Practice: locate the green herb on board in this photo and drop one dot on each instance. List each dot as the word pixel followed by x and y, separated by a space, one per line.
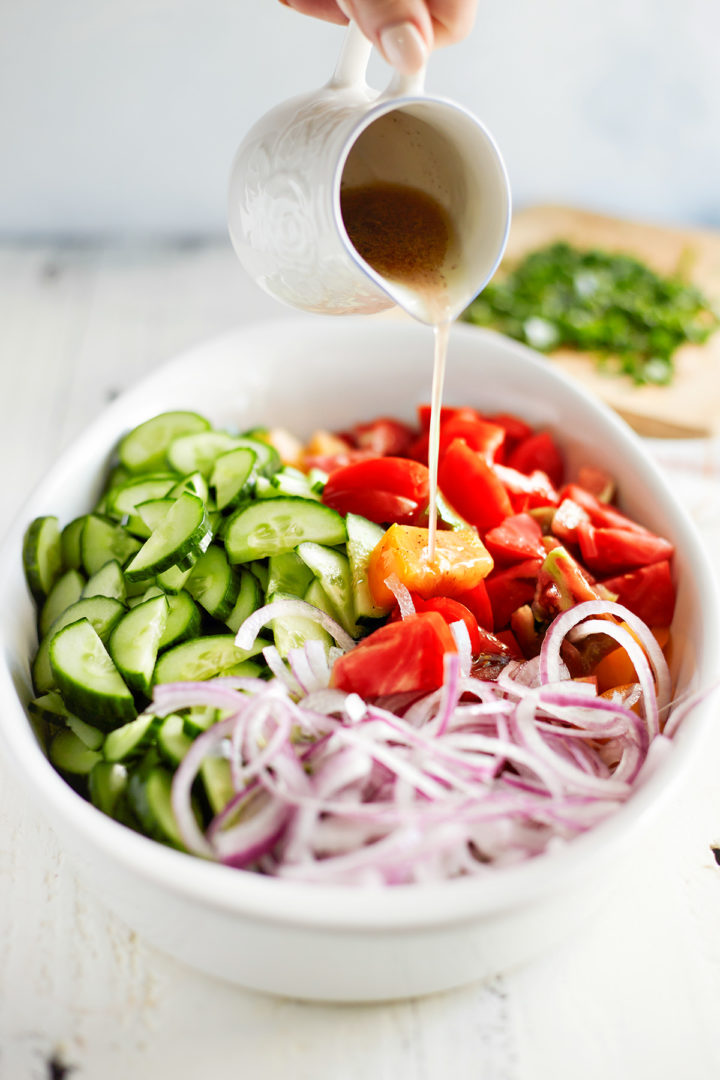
pixel 594 301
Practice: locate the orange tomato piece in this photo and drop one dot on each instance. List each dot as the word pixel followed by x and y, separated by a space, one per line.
pixel 617 669
pixel 461 562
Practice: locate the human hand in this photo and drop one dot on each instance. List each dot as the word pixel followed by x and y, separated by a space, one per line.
pixel 403 30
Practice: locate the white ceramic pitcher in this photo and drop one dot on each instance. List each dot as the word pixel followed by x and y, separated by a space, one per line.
pixel 284 203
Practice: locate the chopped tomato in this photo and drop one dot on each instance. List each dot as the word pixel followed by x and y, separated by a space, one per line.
pixel 480 435
pixel 510 588
pixel 382 489
pixel 446 412
pixel 452 611
pixel 515 429
pixel 648 592
pixel 492 645
pixel 598 482
pixel 399 657
pixel 517 537
pixel 616 668
pixel 461 561
pixel 562 583
pixel 386 436
pixel 472 487
pixel 328 463
pixel 478 602
pixel 601 515
pixel 507 638
pixel 527 492
pixel 538 451
pixel 605 550
pixel 566 519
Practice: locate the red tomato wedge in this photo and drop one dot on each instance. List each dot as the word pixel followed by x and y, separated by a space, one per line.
pixel 385 436
pixel 527 492
pixel 518 537
pixel 515 429
pixel 446 413
pixel 478 602
pixel 452 611
pixel 648 592
pixel 606 550
pixel 510 588
pixel 538 451
pixel 383 489
pixel 601 514
pixel 399 657
pixel 472 487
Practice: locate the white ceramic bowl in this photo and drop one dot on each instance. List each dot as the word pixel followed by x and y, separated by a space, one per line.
pixel 332 942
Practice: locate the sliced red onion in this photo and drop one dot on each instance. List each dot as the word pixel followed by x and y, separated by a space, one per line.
pixel 284 609
pixel 462 640
pixel 401 594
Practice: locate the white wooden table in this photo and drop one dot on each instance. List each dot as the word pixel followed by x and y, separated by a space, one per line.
pixel 636 998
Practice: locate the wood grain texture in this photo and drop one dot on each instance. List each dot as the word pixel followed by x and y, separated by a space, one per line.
pixel 635 997
pixel 690 406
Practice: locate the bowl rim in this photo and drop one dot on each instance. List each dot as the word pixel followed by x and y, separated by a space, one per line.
pixel 245 894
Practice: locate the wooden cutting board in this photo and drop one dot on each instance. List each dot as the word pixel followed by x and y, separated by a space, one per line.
pixel 690 405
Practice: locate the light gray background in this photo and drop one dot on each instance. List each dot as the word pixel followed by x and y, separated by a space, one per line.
pixel 122 117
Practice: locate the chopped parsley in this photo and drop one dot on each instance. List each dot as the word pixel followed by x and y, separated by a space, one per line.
pixel 611 305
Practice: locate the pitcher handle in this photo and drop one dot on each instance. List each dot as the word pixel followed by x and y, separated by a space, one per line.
pixel 353 60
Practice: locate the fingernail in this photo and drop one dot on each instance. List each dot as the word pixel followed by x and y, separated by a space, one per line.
pixel 404 47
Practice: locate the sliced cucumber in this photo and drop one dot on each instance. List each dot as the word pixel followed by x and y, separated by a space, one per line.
pixel 123 502
pixel 199 718
pixel 286 481
pixel 198 452
pixel 70 754
pixel 202 658
pixel 135 642
pixel 49 707
pixel 88 680
pixel 288 574
pixel 363 537
pixel 246 669
pixel 173 580
pixel 317 596
pixel 103 613
pixel 291 632
pixel 66 591
pixel 144 448
pixel 183 533
pixel 129 742
pixel 268 460
pixel 70 539
pixel 104 541
pixel 214 583
pixel 107 784
pixel 154 511
pixel 274 526
pixel 195 483
pixel 91 736
pixel 183 620
pixel 230 475
pixel 149 794
pixel 108 581
pixel 261 571
pixel 172 741
pixel 42 555
pixel 332 569
pixel 217 782
pixel 249 599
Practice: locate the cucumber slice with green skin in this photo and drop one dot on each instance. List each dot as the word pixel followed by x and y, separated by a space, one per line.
pixel 102 612
pixel 202 658
pixel 173 580
pixel 249 599
pixel 154 511
pixel 183 621
pixel 195 483
pixel 198 452
pixel 317 478
pixel 292 632
pixel 88 680
pixel 66 591
pixel 70 541
pixel 129 742
pixel 105 541
pixel 91 736
pixel 172 742
pixel 288 574
pixel 144 448
pixel 214 583
pixel 261 572
pixel 135 642
pixel 42 556
pixel 246 669
pixel 230 475
pixel 217 783
pixel 267 459
pixel 108 581
pixel 107 783
pixel 70 754
pixel 184 532
pixel 274 526
pixel 199 718
pixel 286 481
pixel 332 569
pixel 122 502
pixel 49 707
pixel 149 795
pixel 119 475
pixel 317 596
pixel 363 537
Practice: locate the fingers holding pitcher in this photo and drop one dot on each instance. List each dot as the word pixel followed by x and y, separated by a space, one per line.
pixel 403 30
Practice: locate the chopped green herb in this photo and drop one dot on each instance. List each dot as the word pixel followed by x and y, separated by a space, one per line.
pixel 594 301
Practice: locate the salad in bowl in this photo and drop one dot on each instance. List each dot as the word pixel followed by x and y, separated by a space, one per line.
pixel 288 714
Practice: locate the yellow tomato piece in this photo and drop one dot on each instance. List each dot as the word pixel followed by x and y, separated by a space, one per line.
pixel 324 444
pixel 617 669
pixel 287 445
pixel 461 562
